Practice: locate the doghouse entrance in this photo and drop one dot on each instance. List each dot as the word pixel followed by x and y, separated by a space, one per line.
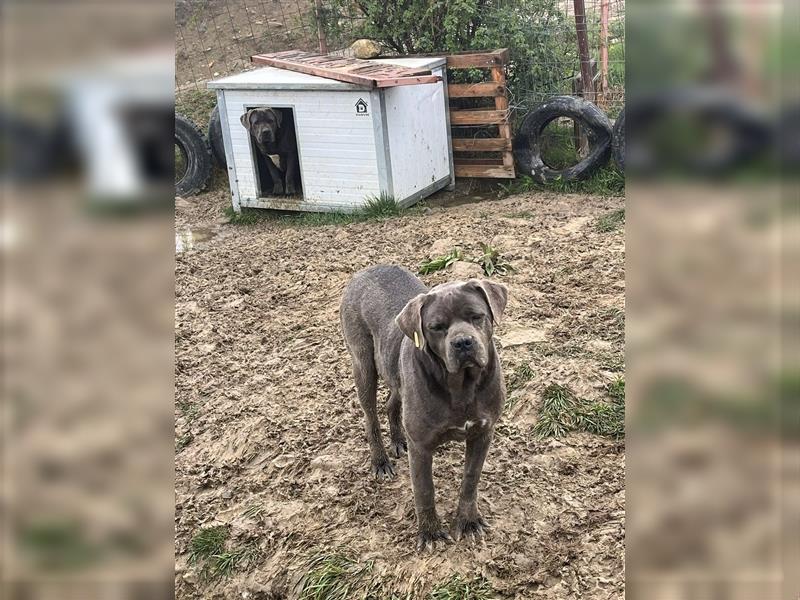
pixel 276 162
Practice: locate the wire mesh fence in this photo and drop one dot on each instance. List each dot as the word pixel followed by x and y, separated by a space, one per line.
pixel 217 37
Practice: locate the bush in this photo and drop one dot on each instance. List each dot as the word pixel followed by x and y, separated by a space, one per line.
pixel 539 36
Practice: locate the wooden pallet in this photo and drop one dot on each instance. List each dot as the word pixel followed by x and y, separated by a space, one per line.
pixel 503 168
pixel 350 70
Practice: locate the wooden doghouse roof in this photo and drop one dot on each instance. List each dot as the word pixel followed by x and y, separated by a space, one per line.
pixel 366 73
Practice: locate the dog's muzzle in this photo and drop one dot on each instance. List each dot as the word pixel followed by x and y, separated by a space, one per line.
pixel 467 350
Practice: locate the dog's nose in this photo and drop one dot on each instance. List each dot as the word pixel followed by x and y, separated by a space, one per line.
pixel 463 344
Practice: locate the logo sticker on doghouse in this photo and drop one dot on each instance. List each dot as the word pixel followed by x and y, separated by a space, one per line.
pixel 361 107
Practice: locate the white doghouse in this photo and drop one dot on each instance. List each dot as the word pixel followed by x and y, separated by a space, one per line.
pixel 354 142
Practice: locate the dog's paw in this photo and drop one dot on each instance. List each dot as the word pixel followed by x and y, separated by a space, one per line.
pixel 428 541
pixel 471 529
pixel 277 189
pixel 291 189
pixel 383 469
pixel 399 448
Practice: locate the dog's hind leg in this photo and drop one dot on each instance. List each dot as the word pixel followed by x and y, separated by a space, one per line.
pixel 366 376
pixel 395 407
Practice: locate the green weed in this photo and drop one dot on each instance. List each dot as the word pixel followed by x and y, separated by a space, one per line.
pixel 563 412
pixel 492 262
pixel 207 550
pixel 606 181
pixel 458 588
pixel 334 576
pixel 206 543
pixel 441 262
pixel 381 207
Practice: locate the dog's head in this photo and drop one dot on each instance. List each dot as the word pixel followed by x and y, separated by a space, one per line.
pixel 263 124
pixel 455 321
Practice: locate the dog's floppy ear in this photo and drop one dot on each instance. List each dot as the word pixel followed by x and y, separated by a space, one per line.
pixel 495 294
pixel 278 115
pixel 245 119
pixel 410 320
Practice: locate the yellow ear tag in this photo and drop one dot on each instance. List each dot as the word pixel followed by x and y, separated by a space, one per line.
pixel 416 339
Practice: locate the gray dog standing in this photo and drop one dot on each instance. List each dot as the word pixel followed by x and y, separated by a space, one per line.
pixel 273 131
pixel 434 349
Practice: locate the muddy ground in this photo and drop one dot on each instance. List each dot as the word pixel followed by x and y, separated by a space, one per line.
pixel 270 434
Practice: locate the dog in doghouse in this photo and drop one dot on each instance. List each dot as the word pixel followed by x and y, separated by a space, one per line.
pixel 272 130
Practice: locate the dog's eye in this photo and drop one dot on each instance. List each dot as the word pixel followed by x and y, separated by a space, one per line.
pixel 476 318
pixel 437 327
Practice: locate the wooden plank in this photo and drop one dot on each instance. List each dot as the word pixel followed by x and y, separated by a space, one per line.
pixel 484 160
pixel 384 83
pixel 481 144
pixel 308 69
pixel 475 90
pixel 501 103
pixel 478 117
pixel 350 70
pixel 477 59
pixel 487 171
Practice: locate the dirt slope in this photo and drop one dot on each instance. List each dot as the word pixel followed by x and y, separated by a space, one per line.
pixel 267 418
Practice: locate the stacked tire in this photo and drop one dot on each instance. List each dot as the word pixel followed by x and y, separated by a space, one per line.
pixel 528 143
pixel 194 150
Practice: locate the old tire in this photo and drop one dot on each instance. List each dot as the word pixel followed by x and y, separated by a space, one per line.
pixel 192 146
pixel 618 141
pixel 527 143
pixel 216 140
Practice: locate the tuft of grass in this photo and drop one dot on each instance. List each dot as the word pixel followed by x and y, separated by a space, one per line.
pixel 459 588
pixel 563 412
pixel 225 563
pixel 606 181
pixel 616 390
pixel 611 221
pixel 333 576
pixel 206 543
pixel 440 262
pixel 207 550
pixel 492 262
pixel 381 207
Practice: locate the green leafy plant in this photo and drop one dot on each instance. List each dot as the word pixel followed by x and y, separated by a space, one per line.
pixel 492 262
pixel 440 262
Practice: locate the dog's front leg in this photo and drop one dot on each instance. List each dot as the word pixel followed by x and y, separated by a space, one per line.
pixel 469 521
pixel 428 523
pixel 277 177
